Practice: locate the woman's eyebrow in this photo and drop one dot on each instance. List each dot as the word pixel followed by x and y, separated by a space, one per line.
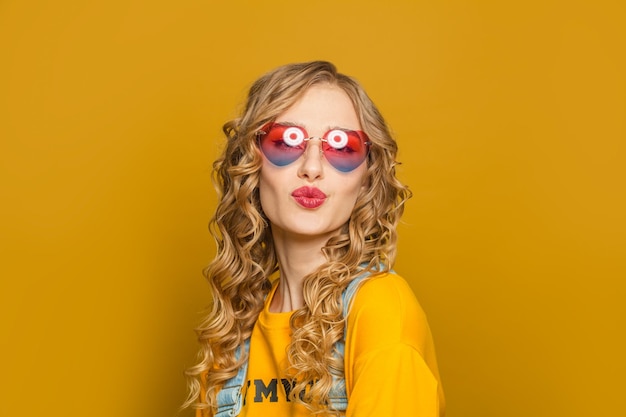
pixel 290 124
pixel 341 128
pixel 328 129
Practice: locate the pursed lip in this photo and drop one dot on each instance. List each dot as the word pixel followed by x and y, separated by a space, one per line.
pixel 309 197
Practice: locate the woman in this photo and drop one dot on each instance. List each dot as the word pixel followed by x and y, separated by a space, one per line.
pixel 307 216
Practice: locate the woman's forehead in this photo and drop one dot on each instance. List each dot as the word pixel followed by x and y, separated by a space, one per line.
pixel 322 106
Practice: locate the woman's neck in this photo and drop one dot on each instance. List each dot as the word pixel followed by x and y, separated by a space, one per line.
pixel 297 258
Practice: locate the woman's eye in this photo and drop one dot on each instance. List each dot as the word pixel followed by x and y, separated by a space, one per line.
pixel 337 139
pixel 293 136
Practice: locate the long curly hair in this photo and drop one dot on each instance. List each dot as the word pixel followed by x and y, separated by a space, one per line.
pixel 239 276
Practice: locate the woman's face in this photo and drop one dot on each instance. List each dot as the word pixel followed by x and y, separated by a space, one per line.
pixel 309 197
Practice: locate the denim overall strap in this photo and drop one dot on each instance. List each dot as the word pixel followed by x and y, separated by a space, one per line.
pixel 230 397
pixel 338 395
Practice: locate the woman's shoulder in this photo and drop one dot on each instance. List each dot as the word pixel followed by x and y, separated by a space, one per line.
pixel 386 306
pixel 389 343
pixel 386 291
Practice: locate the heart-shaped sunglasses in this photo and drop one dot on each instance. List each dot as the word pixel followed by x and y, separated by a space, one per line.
pixel 283 144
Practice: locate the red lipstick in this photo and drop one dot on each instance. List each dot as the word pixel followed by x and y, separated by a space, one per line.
pixel 309 197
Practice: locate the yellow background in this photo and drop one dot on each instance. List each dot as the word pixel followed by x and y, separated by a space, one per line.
pixel 511 118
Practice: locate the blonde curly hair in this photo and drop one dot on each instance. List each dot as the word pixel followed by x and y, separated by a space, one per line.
pixel 239 276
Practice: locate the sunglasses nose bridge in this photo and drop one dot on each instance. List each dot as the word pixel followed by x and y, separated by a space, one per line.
pixel 317 139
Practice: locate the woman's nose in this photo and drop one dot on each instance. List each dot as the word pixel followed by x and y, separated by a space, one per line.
pixel 311 166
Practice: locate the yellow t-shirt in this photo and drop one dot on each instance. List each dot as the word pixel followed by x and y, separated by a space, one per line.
pixel 390 364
